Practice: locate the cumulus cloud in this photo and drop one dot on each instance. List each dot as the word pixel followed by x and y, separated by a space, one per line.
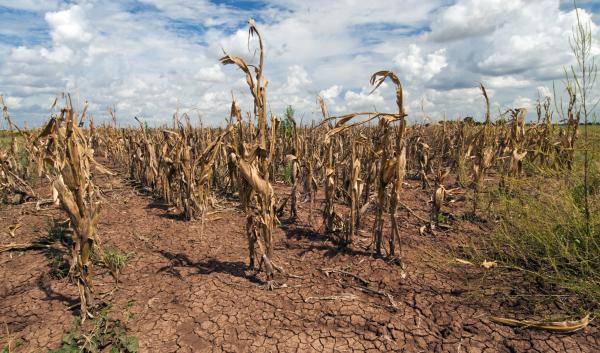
pixel 69 25
pixel 372 101
pixel 13 102
pixel 542 48
pixel 470 18
pixel 297 79
pixel 523 102
pixel 544 92
pixel 505 82
pixel 418 67
pixel 212 73
pixel 466 101
pixel 151 57
pixel 197 11
pixel 331 93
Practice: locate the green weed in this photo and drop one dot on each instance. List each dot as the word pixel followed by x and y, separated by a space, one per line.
pixel 104 334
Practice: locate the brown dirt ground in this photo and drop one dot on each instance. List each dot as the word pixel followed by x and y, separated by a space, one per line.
pixel 192 293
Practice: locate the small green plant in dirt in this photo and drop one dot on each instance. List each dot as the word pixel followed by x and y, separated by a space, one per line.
pixel 286 173
pixel 57 259
pixel 443 218
pixel 11 347
pixel 12 344
pixel 115 261
pixel 59 266
pixel 59 232
pixel 103 334
pixel 473 217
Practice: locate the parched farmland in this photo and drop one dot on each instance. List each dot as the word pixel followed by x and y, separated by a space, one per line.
pixel 352 232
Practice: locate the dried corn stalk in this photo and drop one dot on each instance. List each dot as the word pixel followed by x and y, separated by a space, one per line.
pixel 331 220
pixel 68 162
pixel 16 162
pixel 355 186
pixel 399 170
pixel 256 192
pixel 484 152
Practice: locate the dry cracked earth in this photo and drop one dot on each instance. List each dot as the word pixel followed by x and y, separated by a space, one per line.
pixel 190 291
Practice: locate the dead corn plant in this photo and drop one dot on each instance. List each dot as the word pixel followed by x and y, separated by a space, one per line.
pixel 423 154
pixel 399 164
pixel 253 164
pixel 68 166
pixel 332 221
pixel 568 135
pixel 483 152
pixel 391 170
pixel 516 146
pixel 17 162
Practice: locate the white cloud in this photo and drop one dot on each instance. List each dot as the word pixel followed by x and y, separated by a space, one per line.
pixel 13 102
pixel 468 101
pixel 371 101
pixel 331 93
pixel 297 79
pixel 202 11
pixel 68 25
pixel 523 102
pixel 535 42
pixel 505 82
pixel 544 92
pixel 468 18
pixel 212 73
pixel 151 59
pixel 419 67
pixel 24 55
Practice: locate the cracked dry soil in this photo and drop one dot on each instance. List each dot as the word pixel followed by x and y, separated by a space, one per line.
pixel 191 292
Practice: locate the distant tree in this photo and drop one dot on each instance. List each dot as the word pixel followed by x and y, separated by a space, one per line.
pixel 469 120
pixel 501 121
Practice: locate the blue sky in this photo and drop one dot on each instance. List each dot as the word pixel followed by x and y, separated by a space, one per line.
pixel 150 58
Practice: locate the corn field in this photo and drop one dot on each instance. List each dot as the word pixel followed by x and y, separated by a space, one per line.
pixel 359 159
pixel 358 164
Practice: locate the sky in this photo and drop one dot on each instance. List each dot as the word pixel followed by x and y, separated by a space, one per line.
pixel 151 58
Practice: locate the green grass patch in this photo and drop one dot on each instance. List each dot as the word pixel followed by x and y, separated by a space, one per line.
pixel 543 232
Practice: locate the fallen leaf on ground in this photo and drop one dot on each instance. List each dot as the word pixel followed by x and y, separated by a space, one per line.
pixel 13 228
pixel 464 262
pixel 553 326
pixel 489 264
